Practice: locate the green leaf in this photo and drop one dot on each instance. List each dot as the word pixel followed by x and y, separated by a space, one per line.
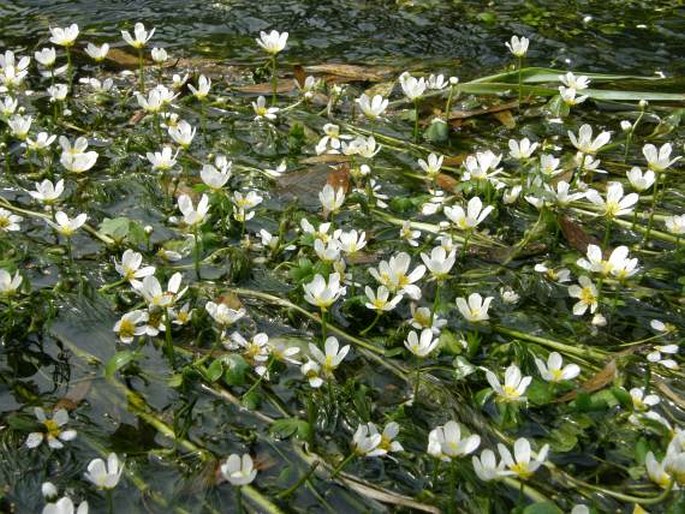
pixel 289 427
pixel 118 361
pixel 543 508
pixel 236 370
pixel 214 371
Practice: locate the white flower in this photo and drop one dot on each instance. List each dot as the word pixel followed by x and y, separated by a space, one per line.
pixel 42 142
pixel 656 471
pixel 412 87
pixel 163 160
pixel 432 166
pixel 394 274
pixel 203 86
pixel 511 195
pixel 524 462
pixel 514 387
pixel 65 506
pixel 239 470
pixel 374 107
pixel 151 290
pixel 140 36
pixel 331 140
pixel 159 56
pixel 331 199
pixel 584 142
pixel 675 224
pixel 130 269
pixel 312 370
pixel 509 296
pixel 409 235
pixel 390 432
pixel 192 216
pixel 562 195
pixel 445 442
pixel 262 111
pixel 323 294
pixel 46 56
pixel 617 264
pixel 366 442
pixel 439 262
pixel 65 225
pixel 9 222
pixel 640 182
pixel 549 165
pixel 215 179
pixel 616 204
pixel 552 371
pixel 522 149
pixel 437 82
pixel 561 275
pixel 487 468
pixel 587 295
pixel 421 319
pixel 379 301
pixel 130 325
pixel 223 314
pixel 20 125
pixel 74 157
pixel 47 192
pixel 483 166
pixel 518 46
pixel 64 36
pixel 350 242
pixel 97 53
pixel 272 42
pixel 569 96
pixel 332 357
pixel 183 134
pixel 642 402
pixel 105 475
pixel 9 284
pixel 476 309
pixel 58 92
pixel 474 215
pixel 659 160
pixel 421 345
pixel 54 434
pixel 327 252
pixel 576 82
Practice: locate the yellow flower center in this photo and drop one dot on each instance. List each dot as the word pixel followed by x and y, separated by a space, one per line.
pixel 587 296
pixel 53 427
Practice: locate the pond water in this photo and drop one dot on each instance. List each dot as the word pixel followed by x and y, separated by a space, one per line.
pixel 177 411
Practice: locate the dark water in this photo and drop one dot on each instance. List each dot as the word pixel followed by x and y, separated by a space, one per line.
pixel 466 36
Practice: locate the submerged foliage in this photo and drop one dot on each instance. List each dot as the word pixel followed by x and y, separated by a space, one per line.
pixel 425 294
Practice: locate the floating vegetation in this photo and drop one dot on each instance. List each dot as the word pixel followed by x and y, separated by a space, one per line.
pixel 360 289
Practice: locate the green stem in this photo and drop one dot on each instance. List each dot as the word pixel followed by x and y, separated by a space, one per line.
pixel 373 323
pixel 141 71
pixel 436 301
pixel 416 120
pixel 417 382
pixel 323 325
pixel 274 79
pixel 239 500
pixel 655 200
pixel 198 247
pixel 607 234
pixel 340 466
pixel 169 344
pixel 520 67
pixel 110 502
pixel 290 490
pixel 70 68
pixel 448 106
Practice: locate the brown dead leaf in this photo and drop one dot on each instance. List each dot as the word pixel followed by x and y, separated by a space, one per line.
pixel 337 72
pixel 137 117
pixel 382 88
pixel 230 300
pixel 598 381
pixel 574 234
pixel 300 75
pixel 363 258
pixel 118 58
pixel 266 88
pixel 461 115
pixel 505 118
pixel 447 182
pixel 326 158
pixel 75 396
pixel 339 177
pixel 454 160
